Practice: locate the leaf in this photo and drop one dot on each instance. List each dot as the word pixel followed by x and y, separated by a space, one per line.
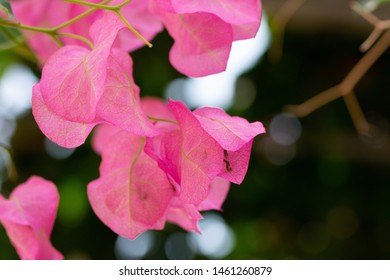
pixel 132 194
pixel 65 133
pixel 232 133
pixel 28 217
pixel 4 12
pixel 200 156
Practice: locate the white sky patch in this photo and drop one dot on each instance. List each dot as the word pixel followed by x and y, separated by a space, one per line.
pixel 15 90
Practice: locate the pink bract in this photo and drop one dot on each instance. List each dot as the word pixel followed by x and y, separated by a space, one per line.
pixel 132 193
pixel 81 88
pixel 52 13
pixel 28 217
pixel 205 30
pixel 200 156
pixel 244 16
pixel 146 181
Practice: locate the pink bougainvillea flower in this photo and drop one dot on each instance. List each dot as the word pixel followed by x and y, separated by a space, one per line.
pixel 49 13
pixel 212 143
pixel 200 156
pixel 219 189
pixel 81 88
pixel 234 135
pixel 205 30
pixel 244 16
pixel 28 218
pixel 132 193
pixel 186 168
pixel 52 13
pixel 141 19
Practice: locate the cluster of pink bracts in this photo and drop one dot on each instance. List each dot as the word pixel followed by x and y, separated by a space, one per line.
pixel 160 162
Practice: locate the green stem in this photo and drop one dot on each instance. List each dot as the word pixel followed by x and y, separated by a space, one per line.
pixel 16 40
pixel 77 18
pixel 101 5
pixel 161 120
pixel 146 42
pixel 94 5
pixel 122 4
pixel 78 37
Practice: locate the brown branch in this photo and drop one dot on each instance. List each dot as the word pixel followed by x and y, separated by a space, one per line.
pixel 357 115
pixel 345 89
pixel 379 25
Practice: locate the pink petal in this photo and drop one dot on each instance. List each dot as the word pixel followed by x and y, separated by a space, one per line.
pixel 31 245
pixel 231 133
pixel 201 156
pixel 235 164
pixel 28 217
pixel 132 194
pixel 140 17
pixel 184 215
pixel 65 133
pixel 102 135
pixel 218 191
pixel 245 15
pixel 72 79
pixel 157 108
pixel 165 150
pixel 45 13
pixel 202 40
pixel 202 43
pixel 120 103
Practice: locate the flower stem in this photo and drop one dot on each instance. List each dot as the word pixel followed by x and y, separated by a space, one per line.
pixel 135 32
pixel 78 37
pixel 79 17
pixel 94 5
pixel 161 120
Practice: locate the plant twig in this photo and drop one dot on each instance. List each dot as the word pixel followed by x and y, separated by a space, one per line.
pixel 379 25
pixel 346 86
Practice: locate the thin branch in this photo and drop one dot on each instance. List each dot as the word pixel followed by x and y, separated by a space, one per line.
pixel 345 89
pixel 379 25
pixel 347 85
pixel 357 115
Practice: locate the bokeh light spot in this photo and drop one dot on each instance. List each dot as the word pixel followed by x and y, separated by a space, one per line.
pixel 15 90
pixel 285 129
pixel 126 249
pixel 277 154
pixel 56 151
pixel 217 239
